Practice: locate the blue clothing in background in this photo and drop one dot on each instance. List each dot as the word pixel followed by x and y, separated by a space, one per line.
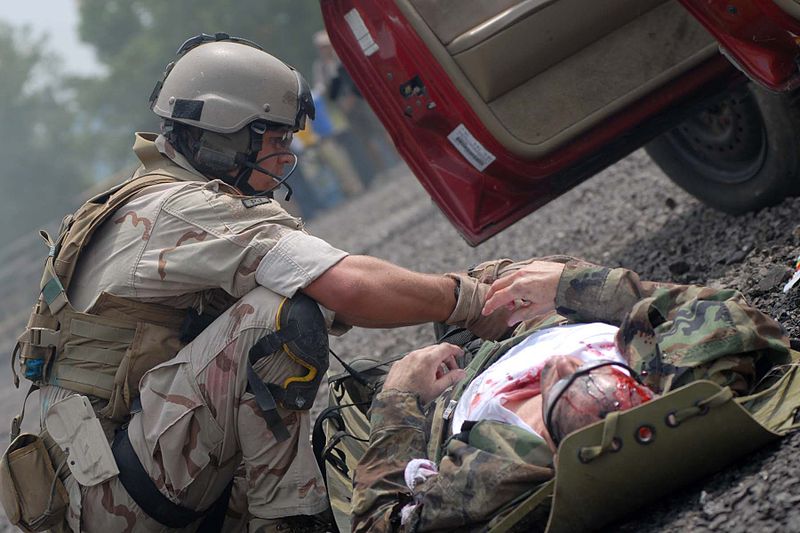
pixel 323 126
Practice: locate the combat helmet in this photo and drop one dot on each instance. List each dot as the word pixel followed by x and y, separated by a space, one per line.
pixel 233 92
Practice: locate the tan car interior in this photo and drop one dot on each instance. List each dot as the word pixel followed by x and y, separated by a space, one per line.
pixel 792 7
pixel 540 72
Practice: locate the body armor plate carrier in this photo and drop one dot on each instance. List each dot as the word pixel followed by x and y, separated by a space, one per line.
pixel 102 352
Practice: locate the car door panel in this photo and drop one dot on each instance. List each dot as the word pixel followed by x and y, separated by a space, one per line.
pixel 519 74
pixel 579 92
pixel 483 166
pixel 449 19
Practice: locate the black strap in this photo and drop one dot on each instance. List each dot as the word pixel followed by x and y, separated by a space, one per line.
pixel 356 375
pixel 266 346
pixel 581 371
pixel 215 516
pixel 269 344
pixel 323 447
pixel 266 404
pixel 144 492
pixel 318 439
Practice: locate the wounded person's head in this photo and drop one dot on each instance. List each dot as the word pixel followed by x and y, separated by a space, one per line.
pixel 576 394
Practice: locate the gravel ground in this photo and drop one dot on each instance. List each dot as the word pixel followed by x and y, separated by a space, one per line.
pixel 630 215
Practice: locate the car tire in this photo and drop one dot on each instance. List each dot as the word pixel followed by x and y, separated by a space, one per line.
pixel 740 154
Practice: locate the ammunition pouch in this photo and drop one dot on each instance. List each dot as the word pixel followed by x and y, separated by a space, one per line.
pixel 74 426
pixel 32 493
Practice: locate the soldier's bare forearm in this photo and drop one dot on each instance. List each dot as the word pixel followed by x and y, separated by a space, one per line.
pixel 369 292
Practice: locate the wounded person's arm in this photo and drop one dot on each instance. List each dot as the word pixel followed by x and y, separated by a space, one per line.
pixel 578 290
pixel 594 293
pixel 397 436
pixel 672 333
pixel 675 334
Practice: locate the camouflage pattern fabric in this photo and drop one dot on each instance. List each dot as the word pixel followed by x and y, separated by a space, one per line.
pixel 180 241
pixel 672 334
pixel 491 271
pixel 199 426
pixel 675 334
pixel 192 244
pixel 497 464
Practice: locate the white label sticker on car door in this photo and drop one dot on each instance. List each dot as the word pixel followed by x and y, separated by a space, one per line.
pixel 472 150
pixel 360 32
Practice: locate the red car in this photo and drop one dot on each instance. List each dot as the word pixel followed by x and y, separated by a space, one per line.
pixel 500 106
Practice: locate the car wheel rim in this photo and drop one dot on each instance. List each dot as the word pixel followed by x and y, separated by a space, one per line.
pixel 727 142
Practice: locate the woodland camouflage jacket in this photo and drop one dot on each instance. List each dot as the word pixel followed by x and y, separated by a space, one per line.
pixel 670 334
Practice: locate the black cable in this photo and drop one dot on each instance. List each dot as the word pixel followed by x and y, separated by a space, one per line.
pixel 356 375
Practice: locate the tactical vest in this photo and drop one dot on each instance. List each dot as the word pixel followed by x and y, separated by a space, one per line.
pixel 105 351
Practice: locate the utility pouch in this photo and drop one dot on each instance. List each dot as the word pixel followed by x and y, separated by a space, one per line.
pixel 33 495
pixel 73 425
pixel 36 346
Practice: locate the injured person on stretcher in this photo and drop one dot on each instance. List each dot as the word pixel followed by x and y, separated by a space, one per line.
pixel 451 447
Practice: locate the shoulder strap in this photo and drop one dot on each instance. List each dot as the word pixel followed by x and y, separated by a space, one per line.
pixel 77 230
pixel 520 509
pixel 446 403
pixel 488 353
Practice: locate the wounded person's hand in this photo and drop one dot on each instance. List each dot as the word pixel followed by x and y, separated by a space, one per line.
pixel 426 372
pixel 526 293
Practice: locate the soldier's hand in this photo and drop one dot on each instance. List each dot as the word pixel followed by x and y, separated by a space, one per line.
pixel 467 312
pixel 426 372
pixel 526 293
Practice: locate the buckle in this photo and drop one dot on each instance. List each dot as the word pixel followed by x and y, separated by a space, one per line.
pixel 44 337
pixel 448 411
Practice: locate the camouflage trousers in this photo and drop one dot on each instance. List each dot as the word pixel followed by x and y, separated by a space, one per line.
pixel 199 428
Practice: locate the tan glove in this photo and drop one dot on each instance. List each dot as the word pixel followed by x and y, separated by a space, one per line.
pixel 491 271
pixel 467 312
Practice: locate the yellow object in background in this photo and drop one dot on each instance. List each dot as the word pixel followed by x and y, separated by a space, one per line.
pixel 307 136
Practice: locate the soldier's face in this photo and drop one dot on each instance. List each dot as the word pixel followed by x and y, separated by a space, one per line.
pixel 274 156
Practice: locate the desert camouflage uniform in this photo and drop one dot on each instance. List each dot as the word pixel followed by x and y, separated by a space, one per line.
pixel 671 334
pixel 193 244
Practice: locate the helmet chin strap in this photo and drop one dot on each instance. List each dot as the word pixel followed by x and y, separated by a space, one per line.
pixel 248 167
